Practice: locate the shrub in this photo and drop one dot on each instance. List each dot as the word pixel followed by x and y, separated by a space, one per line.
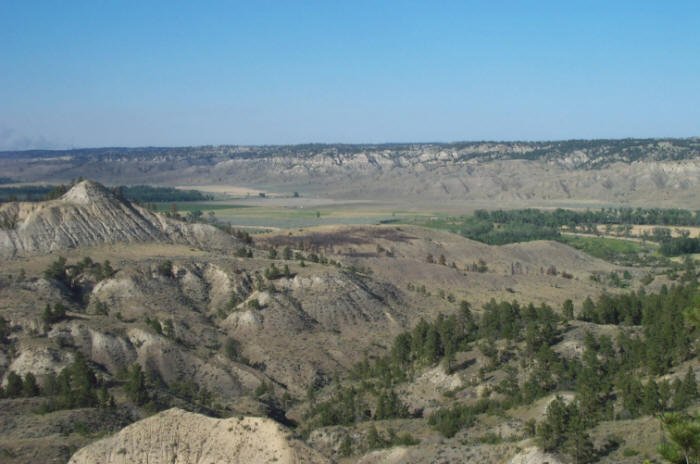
pixel 232 349
pixel 165 268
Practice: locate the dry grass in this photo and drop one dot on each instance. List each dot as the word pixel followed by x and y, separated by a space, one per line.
pixel 409 246
pixel 639 230
pixel 115 253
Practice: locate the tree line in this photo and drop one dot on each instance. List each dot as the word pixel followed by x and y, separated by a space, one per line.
pixel 499 227
pixel 614 216
pixel 135 193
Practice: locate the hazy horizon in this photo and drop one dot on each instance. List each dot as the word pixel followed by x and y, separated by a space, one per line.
pixel 330 144
pixel 128 74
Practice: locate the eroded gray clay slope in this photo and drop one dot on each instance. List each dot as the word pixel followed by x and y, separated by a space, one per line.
pixel 89 214
pixel 179 437
pixel 642 172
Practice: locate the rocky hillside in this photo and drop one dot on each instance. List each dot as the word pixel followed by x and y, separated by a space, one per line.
pixel 239 335
pixel 300 326
pixel 638 172
pixel 89 214
pixel 176 436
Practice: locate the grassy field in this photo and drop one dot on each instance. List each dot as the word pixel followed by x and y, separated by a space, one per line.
pixel 610 249
pixel 193 206
pixel 299 218
pixel 289 217
pixel 440 222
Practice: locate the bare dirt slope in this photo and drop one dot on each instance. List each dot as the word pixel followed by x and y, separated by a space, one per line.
pixel 245 339
pixel 89 214
pixel 179 437
pixel 295 330
pixel 410 257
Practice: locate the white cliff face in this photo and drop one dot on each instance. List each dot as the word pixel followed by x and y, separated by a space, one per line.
pixel 534 455
pixel 637 172
pixel 88 215
pixel 431 175
pixel 39 361
pixel 179 437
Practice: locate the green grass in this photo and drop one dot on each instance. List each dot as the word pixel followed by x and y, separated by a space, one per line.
pixel 610 249
pixel 289 218
pixel 193 206
pixel 292 218
pixel 440 221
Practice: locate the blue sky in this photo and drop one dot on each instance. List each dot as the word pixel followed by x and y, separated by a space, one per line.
pixel 121 73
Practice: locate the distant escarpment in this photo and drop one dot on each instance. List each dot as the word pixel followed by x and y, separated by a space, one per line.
pixel 89 214
pixel 642 172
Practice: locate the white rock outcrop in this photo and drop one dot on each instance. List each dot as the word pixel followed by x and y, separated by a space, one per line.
pixel 179 437
pixel 89 214
pixel 534 455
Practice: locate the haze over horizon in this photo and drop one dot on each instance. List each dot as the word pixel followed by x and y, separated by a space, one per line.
pixel 88 74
